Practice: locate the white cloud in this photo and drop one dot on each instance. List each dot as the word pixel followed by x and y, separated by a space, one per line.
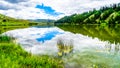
pixel 27 13
pixel 78 6
pixel 27 10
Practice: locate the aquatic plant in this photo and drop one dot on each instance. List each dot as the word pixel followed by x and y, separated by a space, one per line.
pixel 64 48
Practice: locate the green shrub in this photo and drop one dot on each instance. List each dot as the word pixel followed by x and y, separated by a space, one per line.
pixel 5 38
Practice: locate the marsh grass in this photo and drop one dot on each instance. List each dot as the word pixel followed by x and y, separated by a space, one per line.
pixel 13 56
pixel 4 38
pixel 64 48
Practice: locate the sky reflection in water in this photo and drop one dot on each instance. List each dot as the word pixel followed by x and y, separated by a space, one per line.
pixel 86 50
pixel 48 36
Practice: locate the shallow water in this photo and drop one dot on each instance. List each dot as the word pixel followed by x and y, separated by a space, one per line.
pixel 87 52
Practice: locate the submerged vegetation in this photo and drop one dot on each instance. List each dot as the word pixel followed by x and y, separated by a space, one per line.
pixel 105 16
pixel 63 48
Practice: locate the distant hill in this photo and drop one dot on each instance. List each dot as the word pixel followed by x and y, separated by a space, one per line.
pixel 9 23
pixel 105 15
pixel 42 20
pixel 6 20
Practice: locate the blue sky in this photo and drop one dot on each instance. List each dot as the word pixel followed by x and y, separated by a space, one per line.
pixel 49 9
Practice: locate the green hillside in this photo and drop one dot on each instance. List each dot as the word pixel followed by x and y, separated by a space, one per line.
pixel 8 23
pixel 105 15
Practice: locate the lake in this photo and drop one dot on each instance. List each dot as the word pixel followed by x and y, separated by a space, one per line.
pixel 92 46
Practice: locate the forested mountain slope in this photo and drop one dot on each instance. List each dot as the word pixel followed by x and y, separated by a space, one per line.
pixel 105 15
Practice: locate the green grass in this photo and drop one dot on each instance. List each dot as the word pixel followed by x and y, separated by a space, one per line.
pixel 5 39
pixel 13 56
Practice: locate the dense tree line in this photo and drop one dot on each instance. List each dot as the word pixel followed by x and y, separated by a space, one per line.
pixel 107 14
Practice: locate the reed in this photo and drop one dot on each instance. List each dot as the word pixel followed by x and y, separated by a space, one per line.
pixel 64 47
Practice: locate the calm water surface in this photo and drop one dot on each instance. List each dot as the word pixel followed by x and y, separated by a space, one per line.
pixel 93 46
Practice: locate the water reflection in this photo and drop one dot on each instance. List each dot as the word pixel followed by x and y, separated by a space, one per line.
pixel 107 33
pixel 113 48
pixel 48 36
pixel 99 54
pixel 7 28
pixel 87 47
pixel 63 47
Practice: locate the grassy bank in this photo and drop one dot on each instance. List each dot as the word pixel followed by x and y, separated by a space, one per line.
pixel 13 56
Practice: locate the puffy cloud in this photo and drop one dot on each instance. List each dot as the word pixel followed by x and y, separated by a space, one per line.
pixel 27 13
pixel 71 6
pixel 26 9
